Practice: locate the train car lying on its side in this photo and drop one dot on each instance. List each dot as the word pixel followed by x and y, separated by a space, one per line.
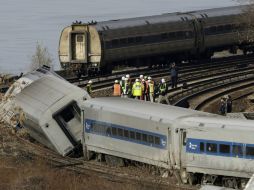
pixel 200 147
pixel 52 109
pixel 97 47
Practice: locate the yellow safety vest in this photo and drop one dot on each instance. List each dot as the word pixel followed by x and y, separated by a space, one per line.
pixel 151 88
pixel 136 89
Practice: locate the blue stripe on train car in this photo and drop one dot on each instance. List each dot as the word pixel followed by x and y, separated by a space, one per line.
pixel 125 133
pixel 220 148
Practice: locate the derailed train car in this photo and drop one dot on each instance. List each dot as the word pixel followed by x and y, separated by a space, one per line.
pixel 199 147
pixel 52 109
pixel 98 46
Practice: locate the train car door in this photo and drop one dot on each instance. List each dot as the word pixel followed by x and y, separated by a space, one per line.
pixel 182 143
pixel 79 47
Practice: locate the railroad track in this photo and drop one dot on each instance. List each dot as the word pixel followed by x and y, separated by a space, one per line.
pixel 184 68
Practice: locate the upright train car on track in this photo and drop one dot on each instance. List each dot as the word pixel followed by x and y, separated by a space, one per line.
pixel 97 47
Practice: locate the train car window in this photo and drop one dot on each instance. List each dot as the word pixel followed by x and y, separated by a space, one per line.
pixel 211 147
pixel 132 134
pixel 80 38
pixel 157 140
pixel 144 137
pixel 249 151
pixel 172 35
pixel 184 138
pixel 150 139
pixel 139 39
pixel 164 36
pixel 202 147
pixel 120 132
pixel 138 136
pixel 224 148
pixel 108 44
pixel 126 133
pixel 237 150
pixel 123 41
pixel 67 114
pixel 115 42
pixel 114 131
pixel 108 131
pixel 131 40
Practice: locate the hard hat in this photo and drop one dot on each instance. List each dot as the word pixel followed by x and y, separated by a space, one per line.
pixel 137 80
pixel 141 76
pixel 116 81
pixel 149 81
pixel 127 76
pixel 145 77
pixel 90 82
pixel 143 80
pixel 225 96
pixel 149 78
pixel 123 77
pixel 163 80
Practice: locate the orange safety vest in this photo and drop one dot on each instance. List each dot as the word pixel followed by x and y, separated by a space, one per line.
pixel 117 90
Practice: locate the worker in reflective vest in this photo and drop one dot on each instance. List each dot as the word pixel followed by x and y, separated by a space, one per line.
pixel 89 87
pixel 162 90
pixel 137 89
pixel 117 89
pixel 151 90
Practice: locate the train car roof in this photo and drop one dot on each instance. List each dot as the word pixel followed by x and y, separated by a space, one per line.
pixel 44 91
pixel 166 18
pixel 213 122
pixel 137 108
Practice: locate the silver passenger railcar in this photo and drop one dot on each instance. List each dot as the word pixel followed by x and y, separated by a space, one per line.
pixel 199 147
pixel 98 46
pixel 51 106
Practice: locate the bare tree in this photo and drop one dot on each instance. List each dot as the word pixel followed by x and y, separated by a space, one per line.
pixel 41 57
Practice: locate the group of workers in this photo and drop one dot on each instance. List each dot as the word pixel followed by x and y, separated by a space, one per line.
pixel 144 88
pixel 225 105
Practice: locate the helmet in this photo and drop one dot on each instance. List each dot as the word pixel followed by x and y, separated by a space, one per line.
pixel 143 80
pixel 90 82
pixel 127 76
pixel 145 77
pixel 137 80
pixel 149 81
pixel 123 77
pixel 225 96
pixel 149 78
pixel 141 76
pixel 163 80
pixel 116 81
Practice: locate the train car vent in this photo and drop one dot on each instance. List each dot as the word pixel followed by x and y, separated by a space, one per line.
pixel 147 22
pixel 182 18
pixel 103 28
pixel 186 18
pixel 206 15
pixel 107 27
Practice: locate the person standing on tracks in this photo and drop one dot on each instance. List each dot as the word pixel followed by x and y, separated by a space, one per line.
pixel 117 90
pixel 162 90
pixel 126 89
pixel 143 87
pixel 229 104
pixel 150 90
pixel 223 108
pixel 146 89
pixel 137 89
pixel 89 87
pixel 174 75
pixel 122 81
